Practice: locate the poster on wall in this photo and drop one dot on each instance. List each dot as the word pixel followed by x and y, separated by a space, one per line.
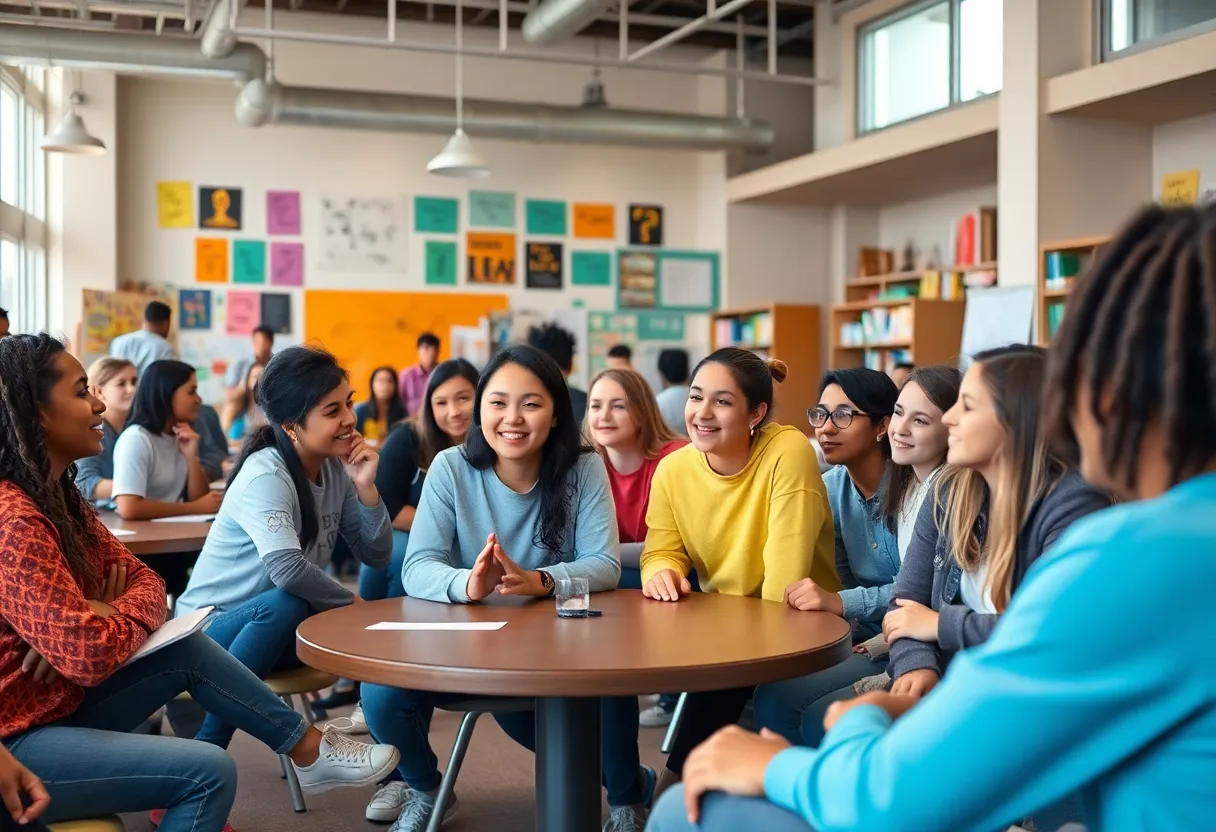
pixel 276 312
pixel 637 283
pixel 287 264
pixel 248 261
pixel 544 266
pixel 283 212
pixel 491 209
pixel 219 209
pixel 594 221
pixel 244 312
pixel 364 235
pixel 605 330
pixel 545 217
pixel 684 281
pixel 436 215
pixel 175 204
pixel 440 263
pixel 106 315
pixel 210 260
pixel 645 225
pixel 590 268
pixel 491 258
pixel 195 309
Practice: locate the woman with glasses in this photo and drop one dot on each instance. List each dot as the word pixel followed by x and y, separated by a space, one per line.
pixel 851 423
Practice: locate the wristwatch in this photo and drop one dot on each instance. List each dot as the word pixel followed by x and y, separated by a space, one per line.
pixel 546 581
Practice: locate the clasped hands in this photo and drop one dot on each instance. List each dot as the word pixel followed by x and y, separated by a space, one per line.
pixel 494 571
pixel 37 667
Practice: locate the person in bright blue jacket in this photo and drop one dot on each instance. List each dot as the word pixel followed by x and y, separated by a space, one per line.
pixel 1084 685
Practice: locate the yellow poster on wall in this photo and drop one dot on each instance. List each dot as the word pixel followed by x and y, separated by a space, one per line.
pixel 1180 188
pixel 175 204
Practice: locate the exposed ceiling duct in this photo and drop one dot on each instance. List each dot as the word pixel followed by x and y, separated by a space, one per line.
pixel 218 40
pixel 554 20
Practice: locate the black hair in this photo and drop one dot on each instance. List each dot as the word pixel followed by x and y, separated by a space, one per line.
pixel 396 410
pixel 940 383
pixel 673 366
pixel 27 374
pixel 3 314
pixel 557 343
pixel 249 395
pixel 871 391
pixel 559 455
pixel 428 339
pixel 265 330
pixel 153 405
pixel 157 313
pixel 753 374
pixel 431 438
pixel 621 351
pixel 295 380
pixel 1140 334
pixel 904 365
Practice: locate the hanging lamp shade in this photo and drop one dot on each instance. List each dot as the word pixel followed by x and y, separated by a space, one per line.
pixel 458 159
pixel 71 136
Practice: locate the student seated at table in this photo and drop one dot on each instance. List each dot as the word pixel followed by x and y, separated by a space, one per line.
pixel 1112 707
pixel 383 407
pixel 242 415
pixel 521 505
pixel 112 381
pixel 157 472
pixel 75 606
pixel 744 505
pixel 303 480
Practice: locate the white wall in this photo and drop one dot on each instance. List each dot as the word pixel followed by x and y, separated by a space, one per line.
pixel 1184 145
pixel 930 222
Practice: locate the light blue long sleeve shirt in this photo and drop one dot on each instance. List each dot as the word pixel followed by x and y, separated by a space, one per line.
pixel 1089 683
pixel 462 505
pixel 867 552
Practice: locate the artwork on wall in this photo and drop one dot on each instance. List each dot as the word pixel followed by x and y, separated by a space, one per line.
pixel 194 307
pixel 175 204
pixel 491 257
pixel 491 209
pixel 544 266
pixel 590 268
pixel 283 212
pixel 440 263
pixel 248 261
pixel 645 225
pixel 1180 187
pixel 637 284
pixel 686 281
pixel 364 234
pixel 436 215
pixel 545 217
pixel 244 312
pixel 219 208
pixel 211 260
pixel 287 264
pixel 594 222
pixel 276 312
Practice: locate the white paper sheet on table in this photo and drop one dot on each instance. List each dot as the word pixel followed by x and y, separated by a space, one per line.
pixel 444 625
pixel 121 532
pixel 175 629
pixel 186 518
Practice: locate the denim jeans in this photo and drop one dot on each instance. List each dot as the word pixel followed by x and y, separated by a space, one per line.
pixel 723 813
pixel 795 708
pixel 92 766
pixel 378 583
pixel 402 718
pixel 260 634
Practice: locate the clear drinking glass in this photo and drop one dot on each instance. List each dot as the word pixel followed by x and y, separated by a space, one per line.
pixel 573 598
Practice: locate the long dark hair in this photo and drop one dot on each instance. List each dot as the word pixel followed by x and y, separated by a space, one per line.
pixel 396 410
pixel 754 375
pixel 153 405
pixel 27 374
pixel 247 396
pixel 940 383
pixel 295 380
pixel 558 456
pixel 431 438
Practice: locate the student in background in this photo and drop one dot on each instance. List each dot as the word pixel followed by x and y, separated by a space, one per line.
pixel 520 506
pixel 383 408
pixel 237 377
pixel 620 357
pixel 1117 712
pixel 901 372
pixel 4 323
pixel 559 344
pixel 149 344
pixel 413 379
pixel 75 606
pixel 156 458
pixel 112 381
pixel 243 416
pixel 851 422
pixel 744 506
pixel 673 372
pixel 213 443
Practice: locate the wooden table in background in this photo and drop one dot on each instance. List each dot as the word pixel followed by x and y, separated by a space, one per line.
pixel 705 642
pixel 158 538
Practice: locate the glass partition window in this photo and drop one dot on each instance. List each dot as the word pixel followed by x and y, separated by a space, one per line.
pixel 1128 23
pixel 926 57
pixel 22 199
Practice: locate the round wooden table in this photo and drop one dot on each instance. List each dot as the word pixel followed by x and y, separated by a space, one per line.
pixel 705 642
pixel 151 538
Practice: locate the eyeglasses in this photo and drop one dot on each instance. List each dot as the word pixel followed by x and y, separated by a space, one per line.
pixel 841 417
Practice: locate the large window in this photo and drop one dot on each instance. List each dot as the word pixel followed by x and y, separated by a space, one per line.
pixel 1128 23
pixel 926 57
pixel 22 198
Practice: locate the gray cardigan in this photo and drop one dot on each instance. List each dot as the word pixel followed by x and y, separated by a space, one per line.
pixel 931 576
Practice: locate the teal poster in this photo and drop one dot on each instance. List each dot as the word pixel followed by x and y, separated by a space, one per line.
pixel 440 263
pixel 546 218
pixel 436 215
pixel 491 209
pixel 590 268
pixel 248 261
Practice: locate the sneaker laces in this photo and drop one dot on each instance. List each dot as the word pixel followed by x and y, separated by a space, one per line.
pixel 391 792
pixel 345 749
pixel 626 819
pixel 414 814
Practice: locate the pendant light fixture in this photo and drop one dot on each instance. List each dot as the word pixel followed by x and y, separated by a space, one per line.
pixel 70 135
pixel 458 158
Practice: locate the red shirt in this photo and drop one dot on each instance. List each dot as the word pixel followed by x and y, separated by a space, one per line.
pixel 42 606
pixel 631 493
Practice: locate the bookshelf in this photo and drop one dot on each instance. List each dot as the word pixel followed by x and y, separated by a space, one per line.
pixel 790 332
pixel 1059 265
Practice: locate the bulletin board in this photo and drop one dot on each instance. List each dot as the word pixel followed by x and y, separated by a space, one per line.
pixel 106 315
pixel 366 330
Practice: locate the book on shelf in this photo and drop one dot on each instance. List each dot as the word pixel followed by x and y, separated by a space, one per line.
pixel 878 326
pixel 745 330
pixel 885 360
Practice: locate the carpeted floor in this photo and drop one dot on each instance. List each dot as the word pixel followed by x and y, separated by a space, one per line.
pixel 495 786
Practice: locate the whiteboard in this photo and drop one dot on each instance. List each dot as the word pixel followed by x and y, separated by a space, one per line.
pixel 996 317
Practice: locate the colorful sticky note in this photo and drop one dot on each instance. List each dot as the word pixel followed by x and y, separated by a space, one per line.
pixel 175 204
pixel 491 258
pixel 210 260
pixel 491 209
pixel 244 312
pixel 282 212
pixel 436 215
pixel 287 264
pixel 248 261
pixel 590 268
pixel 276 312
pixel 194 309
pixel 440 263
pixel 1180 188
pixel 545 217
pixel 594 222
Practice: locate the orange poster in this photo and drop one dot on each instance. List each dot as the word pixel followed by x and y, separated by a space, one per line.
pixel 594 222
pixel 210 260
pixel 491 257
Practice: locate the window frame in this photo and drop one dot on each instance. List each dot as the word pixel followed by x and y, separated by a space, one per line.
pixel 1103 51
pixel 25 224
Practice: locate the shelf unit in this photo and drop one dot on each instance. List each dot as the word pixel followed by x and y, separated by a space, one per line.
pixel 934 332
pixel 790 332
pixel 865 288
pixel 1053 297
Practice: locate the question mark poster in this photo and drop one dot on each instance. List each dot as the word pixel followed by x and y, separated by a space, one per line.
pixel 645 225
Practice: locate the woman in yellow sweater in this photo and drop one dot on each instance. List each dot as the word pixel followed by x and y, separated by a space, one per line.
pixel 744 505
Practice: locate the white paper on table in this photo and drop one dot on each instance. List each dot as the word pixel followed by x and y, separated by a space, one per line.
pixel 686 283
pixel 438 625
pixel 121 532
pixel 186 518
pixel 175 629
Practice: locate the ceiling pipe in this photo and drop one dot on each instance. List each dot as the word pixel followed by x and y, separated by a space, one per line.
pixel 555 20
pixel 218 40
pixel 121 52
pixel 260 103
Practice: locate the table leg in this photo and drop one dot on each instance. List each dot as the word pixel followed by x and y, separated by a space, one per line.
pixel 567 764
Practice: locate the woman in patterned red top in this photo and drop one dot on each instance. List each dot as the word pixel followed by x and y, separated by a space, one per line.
pixel 75 606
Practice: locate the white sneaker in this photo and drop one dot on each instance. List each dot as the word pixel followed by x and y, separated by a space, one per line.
pixel 346 762
pixel 387 802
pixel 353 725
pixel 655 716
pixel 416 813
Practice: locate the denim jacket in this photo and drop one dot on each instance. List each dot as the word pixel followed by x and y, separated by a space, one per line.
pixel 867 552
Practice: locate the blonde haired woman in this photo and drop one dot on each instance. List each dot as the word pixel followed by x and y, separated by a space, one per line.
pixel 113 381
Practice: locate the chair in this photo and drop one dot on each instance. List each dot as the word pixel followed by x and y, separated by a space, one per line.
pixel 673 727
pixel 110 824
pixel 473 710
